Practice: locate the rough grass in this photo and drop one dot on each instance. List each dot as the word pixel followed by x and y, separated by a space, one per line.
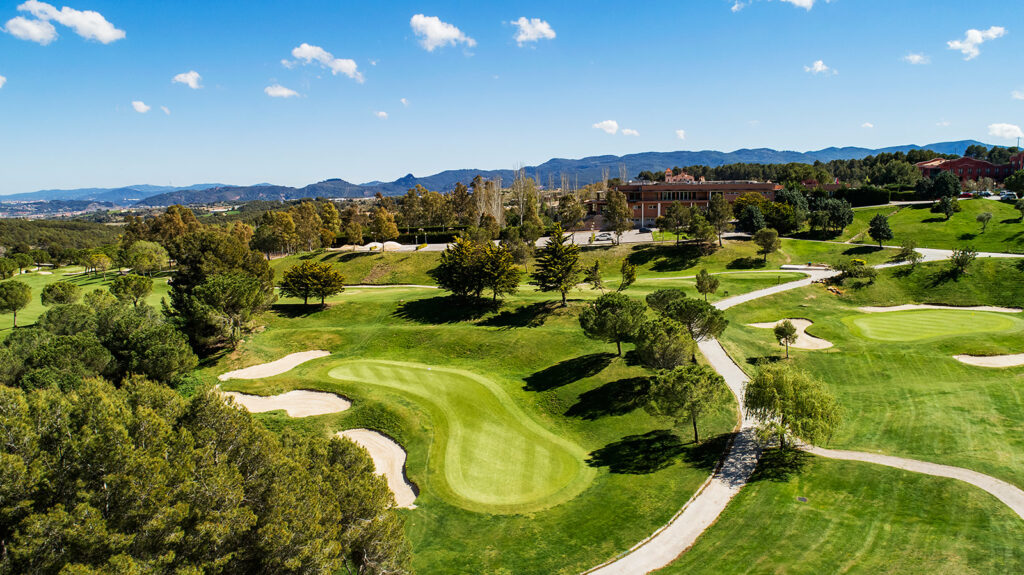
pixel 38 281
pixel 1005 232
pixel 857 518
pixel 488 454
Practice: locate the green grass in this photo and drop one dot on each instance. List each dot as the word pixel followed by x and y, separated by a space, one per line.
pixel 857 518
pixel 652 260
pixel 908 396
pixel 488 454
pixel 526 362
pixel 861 218
pixel 929 324
pixel 1005 232
pixel 37 282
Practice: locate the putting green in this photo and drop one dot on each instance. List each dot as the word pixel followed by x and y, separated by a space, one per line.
pixel 487 454
pixel 928 324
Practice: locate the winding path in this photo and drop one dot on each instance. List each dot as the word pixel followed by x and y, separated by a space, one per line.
pixel 703 509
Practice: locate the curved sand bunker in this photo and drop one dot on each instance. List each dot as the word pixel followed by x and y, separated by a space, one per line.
pixel 909 307
pixel 1013 360
pixel 803 339
pixel 297 403
pixel 388 460
pixel 274 367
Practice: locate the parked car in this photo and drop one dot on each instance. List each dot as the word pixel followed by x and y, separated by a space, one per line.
pixel 645 230
pixel 604 237
pixel 966 195
pixel 984 194
pixel 1007 196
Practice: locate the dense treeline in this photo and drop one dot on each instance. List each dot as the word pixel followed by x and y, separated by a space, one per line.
pixel 138 480
pixel 23 235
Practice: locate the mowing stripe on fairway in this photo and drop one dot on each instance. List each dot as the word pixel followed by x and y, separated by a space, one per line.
pixel 487 454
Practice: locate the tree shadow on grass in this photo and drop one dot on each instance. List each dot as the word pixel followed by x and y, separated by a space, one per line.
pixel 746 263
pixel 613 398
pixel 967 236
pixel 532 315
pixel 639 454
pixel 764 359
pixel 942 276
pixel 779 465
pixel 707 454
pixel 861 250
pixel 1010 221
pixel 568 371
pixel 933 220
pixel 294 310
pixel 444 309
pixel 665 258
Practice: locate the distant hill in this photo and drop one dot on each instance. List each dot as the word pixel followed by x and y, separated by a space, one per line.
pixel 585 170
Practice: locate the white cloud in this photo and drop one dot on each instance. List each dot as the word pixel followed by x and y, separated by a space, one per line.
pixel 1005 131
pixel 404 102
pixel 381 115
pixel 140 106
pixel 86 23
pixel 531 30
pixel 974 38
pixel 630 132
pixel 610 126
pixel 1017 94
pixel 279 91
pixel 819 67
pixel 737 6
pixel 166 110
pixel 38 31
pixel 434 33
pixel 681 134
pixel 3 80
pixel 308 54
pixel 916 59
pixel 942 124
pixel 867 125
pixel 805 4
pixel 191 79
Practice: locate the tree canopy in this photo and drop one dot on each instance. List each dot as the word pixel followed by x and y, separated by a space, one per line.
pixel 558 265
pixel 612 317
pixel 791 404
pixel 686 391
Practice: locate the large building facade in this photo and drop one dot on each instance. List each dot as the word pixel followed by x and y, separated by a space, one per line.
pixel 971 168
pixel 648 201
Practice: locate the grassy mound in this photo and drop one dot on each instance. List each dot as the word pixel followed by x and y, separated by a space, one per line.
pixel 928 324
pixel 488 455
pixel 1004 233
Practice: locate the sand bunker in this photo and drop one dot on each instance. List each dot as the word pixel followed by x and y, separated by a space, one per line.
pixel 803 339
pixel 389 461
pixel 45 273
pixel 909 307
pixel 1013 360
pixel 275 367
pixel 296 403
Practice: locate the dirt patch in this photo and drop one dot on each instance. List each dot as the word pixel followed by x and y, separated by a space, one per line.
pixel 296 403
pixel 273 368
pixel 803 339
pixel 389 460
pixel 909 307
pixel 1013 360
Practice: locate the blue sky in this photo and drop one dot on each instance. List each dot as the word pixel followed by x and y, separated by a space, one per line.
pixel 729 75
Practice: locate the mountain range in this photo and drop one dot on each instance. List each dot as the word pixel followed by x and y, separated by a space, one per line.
pixel 584 170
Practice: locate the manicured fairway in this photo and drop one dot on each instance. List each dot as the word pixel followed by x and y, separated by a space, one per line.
pixel 927 324
pixel 857 518
pixel 489 455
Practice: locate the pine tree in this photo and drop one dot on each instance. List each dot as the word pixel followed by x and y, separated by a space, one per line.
pixel 498 270
pixel 558 265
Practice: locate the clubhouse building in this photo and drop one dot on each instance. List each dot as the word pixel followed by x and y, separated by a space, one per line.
pixel 971 168
pixel 649 200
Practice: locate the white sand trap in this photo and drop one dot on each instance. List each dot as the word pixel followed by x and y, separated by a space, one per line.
pixel 275 367
pixel 45 273
pixel 392 245
pixel 803 339
pixel 296 403
pixel 388 459
pixel 909 306
pixel 992 360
